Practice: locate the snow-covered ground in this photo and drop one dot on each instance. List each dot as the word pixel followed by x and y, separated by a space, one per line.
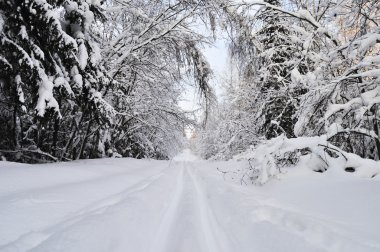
pixel 183 205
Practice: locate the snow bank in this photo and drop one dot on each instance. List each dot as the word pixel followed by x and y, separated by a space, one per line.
pixel 267 159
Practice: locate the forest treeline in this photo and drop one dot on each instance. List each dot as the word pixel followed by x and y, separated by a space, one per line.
pixel 300 69
pixel 90 78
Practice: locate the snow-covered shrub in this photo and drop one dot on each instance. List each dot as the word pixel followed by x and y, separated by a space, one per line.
pixel 267 159
pixel 347 107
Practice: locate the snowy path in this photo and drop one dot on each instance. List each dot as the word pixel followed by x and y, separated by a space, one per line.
pixel 179 206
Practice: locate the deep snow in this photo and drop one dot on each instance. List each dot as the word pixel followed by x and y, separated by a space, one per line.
pixel 183 205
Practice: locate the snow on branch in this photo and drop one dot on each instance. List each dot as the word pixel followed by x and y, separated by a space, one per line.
pixel 301 14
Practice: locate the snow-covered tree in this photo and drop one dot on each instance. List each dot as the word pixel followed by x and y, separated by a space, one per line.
pixel 282 53
pixel 84 79
pixel 310 68
pixel 50 71
pixel 230 128
pixel 151 50
pixel 345 104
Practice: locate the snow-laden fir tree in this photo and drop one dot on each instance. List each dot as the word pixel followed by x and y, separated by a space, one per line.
pixel 273 50
pixel 50 74
pixel 278 63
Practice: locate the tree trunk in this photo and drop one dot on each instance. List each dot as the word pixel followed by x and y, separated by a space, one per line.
pixel 15 138
pixel 80 155
pixel 377 141
pixel 55 136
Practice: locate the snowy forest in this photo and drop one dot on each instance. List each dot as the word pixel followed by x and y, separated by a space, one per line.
pixel 86 79
pixel 276 150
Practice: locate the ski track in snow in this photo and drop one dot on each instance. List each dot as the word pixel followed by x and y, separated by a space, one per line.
pixel 189 196
pixel 177 207
pixel 28 241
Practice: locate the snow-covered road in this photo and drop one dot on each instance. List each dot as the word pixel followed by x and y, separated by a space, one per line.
pixel 182 205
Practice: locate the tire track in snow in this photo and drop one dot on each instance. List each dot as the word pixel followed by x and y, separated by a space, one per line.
pixel 189 198
pixel 216 238
pixel 162 239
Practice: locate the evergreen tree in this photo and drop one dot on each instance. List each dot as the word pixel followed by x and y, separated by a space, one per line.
pixel 277 66
pixel 50 73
